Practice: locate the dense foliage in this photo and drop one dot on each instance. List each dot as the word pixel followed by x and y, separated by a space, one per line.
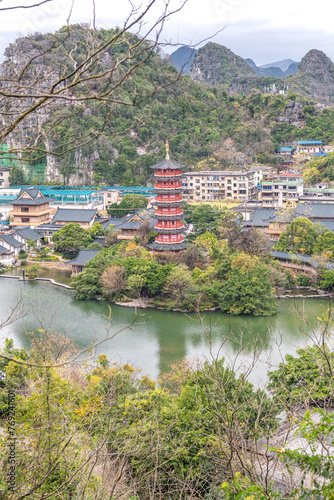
pixel 305 237
pixel 72 237
pixel 304 380
pixel 213 272
pixel 205 126
pixel 174 444
pixel 129 202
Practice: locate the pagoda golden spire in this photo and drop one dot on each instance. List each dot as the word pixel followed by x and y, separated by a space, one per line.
pixel 167 150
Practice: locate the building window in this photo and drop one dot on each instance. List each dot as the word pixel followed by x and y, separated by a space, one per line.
pixel 25 219
pixel 24 209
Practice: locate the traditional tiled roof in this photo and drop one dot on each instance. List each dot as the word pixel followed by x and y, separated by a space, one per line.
pixel 260 217
pixel 163 247
pixel 36 197
pixel 167 165
pixel 29 201
pixel 74 215
pixel 112 222
pixel 305 259
pixel 10 240
pixel 4 250
pixel 27 233
pixel 83 257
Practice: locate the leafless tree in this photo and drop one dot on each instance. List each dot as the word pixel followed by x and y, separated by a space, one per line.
pixel 113 280
pixel 85 67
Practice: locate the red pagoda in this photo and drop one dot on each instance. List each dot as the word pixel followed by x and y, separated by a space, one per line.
pixel 168 211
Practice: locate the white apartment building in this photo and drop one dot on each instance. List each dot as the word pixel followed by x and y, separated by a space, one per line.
pixel 278 189
pixel 219 185
pixel 4 177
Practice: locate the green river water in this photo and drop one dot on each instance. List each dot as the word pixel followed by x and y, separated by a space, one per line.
pixel 159 338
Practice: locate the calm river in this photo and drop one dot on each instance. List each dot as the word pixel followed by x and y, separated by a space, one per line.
pixel 160 338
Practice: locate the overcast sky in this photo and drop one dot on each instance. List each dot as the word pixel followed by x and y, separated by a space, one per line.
pixel 264 30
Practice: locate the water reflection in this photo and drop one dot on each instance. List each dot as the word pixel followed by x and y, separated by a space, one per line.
pixel 159 338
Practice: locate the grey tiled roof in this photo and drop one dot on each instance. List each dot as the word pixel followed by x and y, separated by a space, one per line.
pixel 74 215
pixel 4 250
pixel 10 240
pixel 83 257
pixel 33 192
pixel 161 247
pixel 50 226
pixel 29 201
pixel 135 224
pixel 260 217
pixel 112 222
pixel 167 164
pixel 316 210
pixel 305 259
pixel 27 233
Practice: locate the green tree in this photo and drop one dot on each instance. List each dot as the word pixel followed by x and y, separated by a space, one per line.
pixel 95 230
pixel 95 245
pixel 325 243
pixel 301 236
pixel 204 218
pixel 135 283
pixel 16 177
pixel 129 202
pixel 327 280
pixel 71 238
pixel 243 286
pixel 305 380
pixel 180 286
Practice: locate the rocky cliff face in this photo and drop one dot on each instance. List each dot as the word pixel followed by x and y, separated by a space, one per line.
pixel 316 75
pixel 216 64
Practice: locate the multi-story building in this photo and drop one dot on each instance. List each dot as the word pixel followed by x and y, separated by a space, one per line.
pixel 4 177
pixel 30 208
pixel 219 185
pixel 278 189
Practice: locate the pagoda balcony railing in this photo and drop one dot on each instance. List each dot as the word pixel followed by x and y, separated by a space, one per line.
pixel 175 183
pixel 169 230
pixel 168 176
pixel 170 203
pixel 168 216
pixel 174 225
pixel 168 190
pixel 157 240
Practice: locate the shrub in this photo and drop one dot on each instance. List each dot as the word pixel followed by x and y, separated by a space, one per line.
pixel 303 280
pixel 23 262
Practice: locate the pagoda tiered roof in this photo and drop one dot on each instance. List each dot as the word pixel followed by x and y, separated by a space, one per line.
pixel 167 164
pixel 165 247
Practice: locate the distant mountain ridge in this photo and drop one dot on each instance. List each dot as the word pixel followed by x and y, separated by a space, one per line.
pixel 283 65
pixel 215 64
pixel 182 58
pixel 274 69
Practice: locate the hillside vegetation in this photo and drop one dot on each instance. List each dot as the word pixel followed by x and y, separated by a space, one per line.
pixel 96 141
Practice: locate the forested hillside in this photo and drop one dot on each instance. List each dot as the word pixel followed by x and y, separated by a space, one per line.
pixel 94 140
